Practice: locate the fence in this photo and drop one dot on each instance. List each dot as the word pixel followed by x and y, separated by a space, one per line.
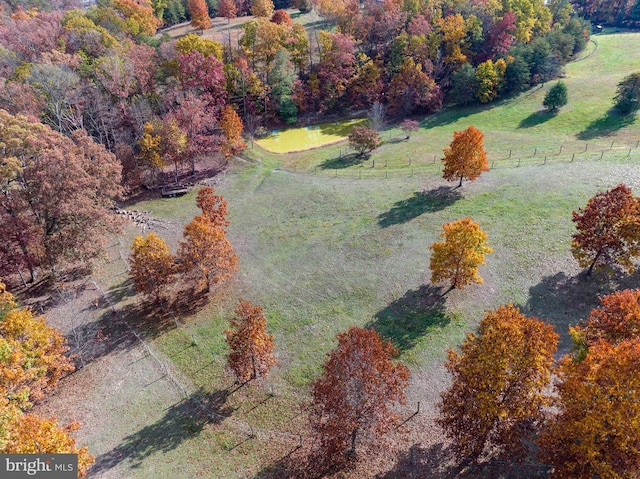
pixel 430 163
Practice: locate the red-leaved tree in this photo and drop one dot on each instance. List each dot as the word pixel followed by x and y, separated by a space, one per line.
pixel 354 397
pixel 608 230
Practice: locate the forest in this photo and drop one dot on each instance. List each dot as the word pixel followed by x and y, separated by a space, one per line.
pixel 105 105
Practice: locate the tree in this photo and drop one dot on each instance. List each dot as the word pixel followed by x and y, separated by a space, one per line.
pixel 627 98
pixel 250 346
pixel 465 157
pixel 262 8
pixel 32 354
pixel 496 396
pixel 213 206
pixel 409 126
pixel 412 88
pixel 490 78
pixel 364 139
pixel 199 13
pixel 464 85
pixel 608 230
pixel 231 125
pixel 55 195
pixel 281 17
pixel 595 432
pixel 207 252
pixel 616 320
pixel 356 392
pixel 227 9
pixel 152 264
pixel 31 434
pixel 556 97
pixel 456 259
pixel 139 16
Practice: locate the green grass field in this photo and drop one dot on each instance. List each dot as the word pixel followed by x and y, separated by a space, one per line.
pixel 324 246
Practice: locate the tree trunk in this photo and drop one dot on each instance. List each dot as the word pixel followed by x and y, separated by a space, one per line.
pixel 353 442
pixel 593 263
pixel 460 184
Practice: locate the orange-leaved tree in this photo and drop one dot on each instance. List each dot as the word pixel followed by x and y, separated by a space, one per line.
pixel 213 206
pixel 496 397
pixel 199 13
pixel 32 354
pixel 608 230
pixel 616 320
pixel 457 258
pixel 231 125
pixel 465 157
pixel 139 17
pixel 152 264
pixel 356 394
pixel 596 432
pixel 32 434
pixel 227 9
pixel 250 346
pixel 207 252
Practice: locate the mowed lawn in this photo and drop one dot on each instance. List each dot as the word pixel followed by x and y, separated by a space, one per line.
pixel 322 253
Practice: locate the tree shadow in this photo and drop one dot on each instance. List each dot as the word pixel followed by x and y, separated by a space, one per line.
pixel 181 422
pixel 189 301
pixel 564 300
pixel 421 202
pixel 607 125
pixel 302 463
pixel 434 462
pixel 537 118
pixel 114 331
pixel 344 161
pixel 407 319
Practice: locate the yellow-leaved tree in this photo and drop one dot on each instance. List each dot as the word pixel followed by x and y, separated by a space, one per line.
pixel 32 354
pixel 152 264
pixel 457 258
pixel 496 398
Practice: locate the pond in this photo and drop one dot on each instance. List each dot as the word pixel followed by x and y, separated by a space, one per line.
pixel 305 138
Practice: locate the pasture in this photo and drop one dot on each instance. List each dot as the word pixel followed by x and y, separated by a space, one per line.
pixel 326 242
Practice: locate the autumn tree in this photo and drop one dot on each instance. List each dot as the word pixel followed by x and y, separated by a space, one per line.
pixel 617 318
pixel 457 258
pixel 199 13
pixel 608 230
pixel 281 17
pixel 55 195
pixel 214 207
pixel 496 397
pixel 139 17
pixel 250 346
pixel 206 252
pixel 32 434
pixel 262 8
pixel 355 396
pixel 152 264
pixel 232 126
pixel 364 139
pixel 227 9
pixel 595 432
pixel 409 126
pixel 32 354
pixel 465 157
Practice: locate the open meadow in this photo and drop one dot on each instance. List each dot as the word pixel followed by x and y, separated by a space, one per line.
pixel 326 241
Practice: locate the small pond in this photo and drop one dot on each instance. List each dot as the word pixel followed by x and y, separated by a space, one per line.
pixel 305 138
